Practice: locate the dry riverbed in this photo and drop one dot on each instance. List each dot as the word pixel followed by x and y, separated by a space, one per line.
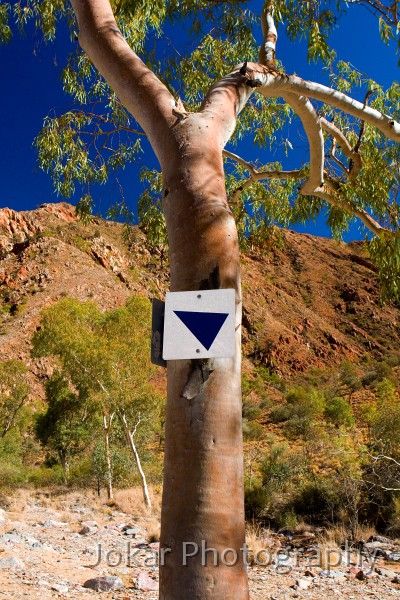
pixel 52 548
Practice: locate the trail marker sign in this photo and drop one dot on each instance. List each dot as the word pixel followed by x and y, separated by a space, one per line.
pixel 199 324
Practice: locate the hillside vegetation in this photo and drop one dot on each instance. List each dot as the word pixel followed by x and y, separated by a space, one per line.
pixel 320 384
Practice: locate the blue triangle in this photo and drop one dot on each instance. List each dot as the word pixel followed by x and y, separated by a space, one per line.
pixel 205 326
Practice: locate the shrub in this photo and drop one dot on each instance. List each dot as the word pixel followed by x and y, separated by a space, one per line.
pixel 317 502
pixel 303 407
pixel 349 377
pixel 394 519
pixel 11 476
pixel 255 501
pixel 280 414
pixel 46 477
pixel 286 519
pixel 278 467
pixel 252 430
pixel 380 371
pixel 338 411
pixel 308 403
pixel 250 410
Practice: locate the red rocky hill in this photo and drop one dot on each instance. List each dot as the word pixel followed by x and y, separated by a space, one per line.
pixel 313 302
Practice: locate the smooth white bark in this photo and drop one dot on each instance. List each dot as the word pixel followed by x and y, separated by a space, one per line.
pixel 131 440
pixel 277 84
pixel 312 127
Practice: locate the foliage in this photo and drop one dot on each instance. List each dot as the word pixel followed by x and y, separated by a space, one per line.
pixel 317 502
pixel 385 422
pixel 304 406
pixel 338 411
pixel 105 358
pixel 340 458
pixel 66 425
pixel 14 391
pixel 256 501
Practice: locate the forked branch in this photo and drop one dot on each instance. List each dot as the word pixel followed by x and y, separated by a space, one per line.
pixel 272 84
pixel 344 144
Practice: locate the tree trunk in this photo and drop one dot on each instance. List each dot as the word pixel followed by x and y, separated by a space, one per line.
pixel 64 463
pixel 132 445
pixel 203 497
pixel 106 432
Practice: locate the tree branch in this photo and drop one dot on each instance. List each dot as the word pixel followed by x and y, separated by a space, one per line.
pixel 362 128
pixel 312 127
pixel 344 145
pixel 318 183
pixel 272 84
pixel 139 90
pixel 337 160
pixel 257 176
pixel 362 214
pixel 225 99
pixel 267 52
pixel 252 170
pixel 315 184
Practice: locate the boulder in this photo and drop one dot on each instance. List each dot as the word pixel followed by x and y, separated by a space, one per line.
pixel 60 588
pixel 104 584
pixel 87 530
pixel 9 561
pixel 145 583
pixel 302 584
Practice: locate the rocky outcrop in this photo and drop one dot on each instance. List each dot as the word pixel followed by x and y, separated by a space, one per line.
pixel 16 228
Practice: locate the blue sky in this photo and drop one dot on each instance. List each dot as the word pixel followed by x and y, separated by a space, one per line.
pixel 31 89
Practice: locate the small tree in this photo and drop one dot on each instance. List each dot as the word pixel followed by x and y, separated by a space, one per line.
pixel 105 364
pixel 65 427
pixel 14 391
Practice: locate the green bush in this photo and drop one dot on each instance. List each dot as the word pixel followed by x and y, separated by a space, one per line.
pixel 338 411
pixel 252 430
pixel 304 406
pixel 11 475
pixel 82 473
pixel 379 371
pixel 349 376
pixel 317 502
pixel 255 501
pixel 46 477
pixel 250 410
pixel 278 467
pixel 286 519
pixel 280 414
pixel 394 519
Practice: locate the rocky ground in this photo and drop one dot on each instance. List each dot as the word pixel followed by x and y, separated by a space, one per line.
pixel 50 549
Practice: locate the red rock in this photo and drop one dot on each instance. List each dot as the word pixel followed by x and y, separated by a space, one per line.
pixel 146 583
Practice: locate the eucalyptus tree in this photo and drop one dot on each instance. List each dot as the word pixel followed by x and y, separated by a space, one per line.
pixel 188 130
pixel 109 368
pixel 66 427
pixel 14 392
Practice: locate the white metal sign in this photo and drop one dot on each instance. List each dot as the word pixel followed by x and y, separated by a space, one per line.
pixel 199 324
